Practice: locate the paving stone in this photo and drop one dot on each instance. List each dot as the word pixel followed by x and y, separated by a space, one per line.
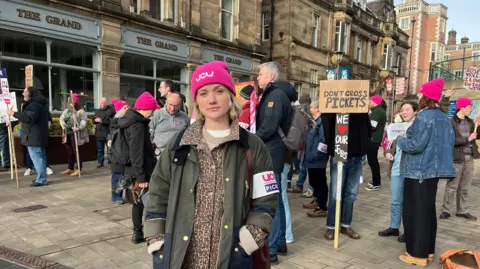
pixel 84 253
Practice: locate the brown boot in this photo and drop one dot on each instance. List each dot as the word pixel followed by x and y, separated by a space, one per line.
pixel 317 213
pixel 311 205
pixel 330 234
pixel 430 256
pixel 75 173
pixel 67 172
pixel 350 233
pixel 420 262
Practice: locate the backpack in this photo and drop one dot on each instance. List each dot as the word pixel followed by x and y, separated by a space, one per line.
pixel 119 148
pixel 460 259
pixel 294 139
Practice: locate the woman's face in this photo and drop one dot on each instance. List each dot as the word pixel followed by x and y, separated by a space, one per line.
pixel 213 101
pixel 467 110
pixel 407 112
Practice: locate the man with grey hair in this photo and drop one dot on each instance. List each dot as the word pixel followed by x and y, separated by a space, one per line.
pixel 274 113
pixel 102 119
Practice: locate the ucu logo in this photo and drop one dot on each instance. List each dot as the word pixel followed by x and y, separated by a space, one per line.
pixel 204 75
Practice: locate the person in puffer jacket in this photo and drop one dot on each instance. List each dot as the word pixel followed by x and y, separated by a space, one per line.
pixel 117 169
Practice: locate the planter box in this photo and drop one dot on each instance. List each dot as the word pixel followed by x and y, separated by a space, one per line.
pixel 57 152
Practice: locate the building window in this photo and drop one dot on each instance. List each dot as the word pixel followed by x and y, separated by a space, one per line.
pixel 313 84
pixel 446 57
pixel 404 23
pixel 156 9
pixel 227 19
pixel 316 19
pixel 372 52
pixel 434 9
pixel 476 56
pixel 266 18
pixel 359 50
pixel 386 56
pixel 433 52
pixel 398 63
pixel 458 73
pixel 341 35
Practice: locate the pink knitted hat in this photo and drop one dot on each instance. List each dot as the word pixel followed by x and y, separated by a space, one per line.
pixel 433 89
pixel 212 73
pixel 463 102
pixel 76 99
pixel 118 104
pixel 377 99
pixel 145 102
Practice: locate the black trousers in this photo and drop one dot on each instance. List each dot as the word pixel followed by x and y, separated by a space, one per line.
pixel 137 215
pixel 317 178
pixel 420 216
pixel 372 157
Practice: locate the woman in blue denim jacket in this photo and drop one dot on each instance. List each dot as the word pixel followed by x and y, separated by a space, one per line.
pixel 427 155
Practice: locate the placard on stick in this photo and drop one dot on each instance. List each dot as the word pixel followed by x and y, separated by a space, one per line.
pixel 29 76
pixel 341 138
pixel 344 96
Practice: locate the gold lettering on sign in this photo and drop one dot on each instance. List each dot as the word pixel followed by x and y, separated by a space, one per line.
pixel 229 60
pixel 30 15
pixel 166 46
pixel 144 41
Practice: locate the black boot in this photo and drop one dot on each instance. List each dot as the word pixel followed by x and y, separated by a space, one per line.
pixel 282 250
pixel 137 237
pixel 389 232
pixel 401 238
pixel 273 258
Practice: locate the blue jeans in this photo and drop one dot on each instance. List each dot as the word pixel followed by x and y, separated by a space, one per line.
pixel 277 236
pixel 40 163
pixel 302 174
pixel 115 178
pixel 288 218
pixel 30 163
pixel 396 189
pixel 101 151
pixel 352 169
pixel 5 149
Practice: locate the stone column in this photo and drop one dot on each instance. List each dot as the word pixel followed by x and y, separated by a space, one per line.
pixel 145 8
pixel 189 71
pixel 168 6
pixel 109 62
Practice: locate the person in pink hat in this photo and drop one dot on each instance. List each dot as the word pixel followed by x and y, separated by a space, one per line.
pixel 378 119
pixel 68 126
pixel 465 151
pixel 427 156
pixel 217 181
pixel 141 159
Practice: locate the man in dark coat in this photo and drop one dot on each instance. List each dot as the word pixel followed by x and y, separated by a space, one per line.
pixel 378 120
pixel 135 126
pixel 165 87
pixel 34 119
pixel 274 112
pixel 102 119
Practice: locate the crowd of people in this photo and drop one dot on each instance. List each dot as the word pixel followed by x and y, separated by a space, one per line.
pixel 214 186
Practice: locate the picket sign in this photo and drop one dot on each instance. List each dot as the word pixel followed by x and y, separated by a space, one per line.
pixel 342 97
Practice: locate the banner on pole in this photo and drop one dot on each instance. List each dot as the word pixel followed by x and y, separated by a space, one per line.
pixel 389 85
pixel 344 96
pixel 29 76
pixel 341 138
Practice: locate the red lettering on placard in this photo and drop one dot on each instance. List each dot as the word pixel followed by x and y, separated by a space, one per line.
pixel 268 177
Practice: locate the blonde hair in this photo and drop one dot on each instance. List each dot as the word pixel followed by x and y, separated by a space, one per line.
pixel 234 111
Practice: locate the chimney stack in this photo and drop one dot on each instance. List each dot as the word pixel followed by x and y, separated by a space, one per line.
pixel 452 37
pixel 464 40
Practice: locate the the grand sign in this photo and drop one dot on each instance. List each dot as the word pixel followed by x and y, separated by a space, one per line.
pixel 234 61
pixel 141 42
pixel 36 19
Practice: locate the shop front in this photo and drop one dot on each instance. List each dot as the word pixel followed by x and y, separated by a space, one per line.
pixel 60 45
pixel 241 67
pixel 148 59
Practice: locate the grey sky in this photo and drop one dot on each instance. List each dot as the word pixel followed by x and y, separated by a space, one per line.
pixel 463 16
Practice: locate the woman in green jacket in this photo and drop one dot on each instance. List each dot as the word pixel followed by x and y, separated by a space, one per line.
pixel 213 194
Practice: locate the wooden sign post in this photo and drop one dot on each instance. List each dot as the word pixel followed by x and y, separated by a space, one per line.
pixel 342 97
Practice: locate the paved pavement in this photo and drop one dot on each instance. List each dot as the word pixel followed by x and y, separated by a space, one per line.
pixel 81 228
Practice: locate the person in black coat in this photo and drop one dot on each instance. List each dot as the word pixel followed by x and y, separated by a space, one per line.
pixel 102 119
pixel 359 137
pixel 34 119
pixel 135 126
pixel 274 112
pixel 5 145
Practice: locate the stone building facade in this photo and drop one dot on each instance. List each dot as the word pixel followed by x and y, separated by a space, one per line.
pixel 427 33
pixel 120 48
pixel 459 56
pixel 303 35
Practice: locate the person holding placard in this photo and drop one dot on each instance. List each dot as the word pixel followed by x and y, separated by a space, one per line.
pixel 34 119
pixel 465 151
pixel 408 110
pixel 378 119
pixel 427 156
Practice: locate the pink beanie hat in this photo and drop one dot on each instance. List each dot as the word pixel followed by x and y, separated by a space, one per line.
pixel 145 102
pixel 76 99
pixel 377 99
pixel 463 102
pixel 118 104
pixel 433 89
pixel 212 73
